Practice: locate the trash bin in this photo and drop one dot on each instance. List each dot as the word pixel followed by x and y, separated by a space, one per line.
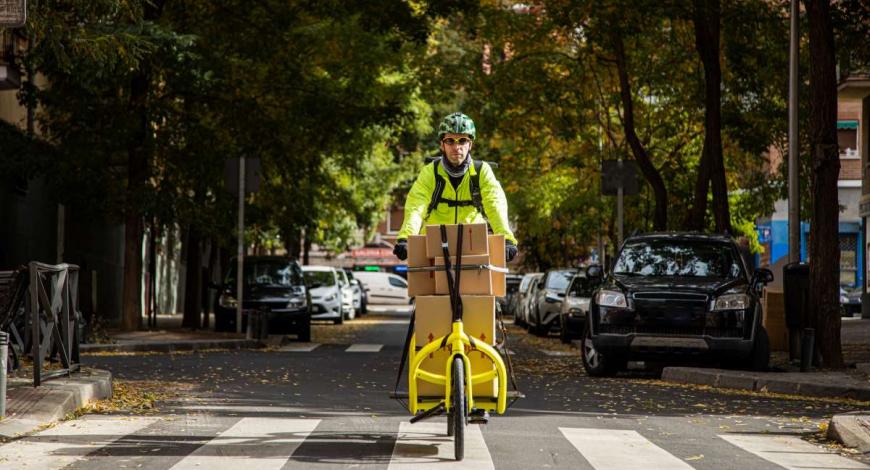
pixel 796 290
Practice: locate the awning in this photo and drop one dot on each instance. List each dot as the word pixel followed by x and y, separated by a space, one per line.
pixel 848 124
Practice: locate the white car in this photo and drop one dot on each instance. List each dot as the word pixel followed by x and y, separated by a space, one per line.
pixel 347 301
pixel 384 288
pixel 328 298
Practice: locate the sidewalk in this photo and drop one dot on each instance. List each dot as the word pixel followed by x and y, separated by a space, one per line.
pixel 28 408
pixel 169 336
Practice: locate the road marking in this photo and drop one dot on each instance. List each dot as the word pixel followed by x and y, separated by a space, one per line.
pixel 424 446
pixel 364 348
pixel 791 452
pixel 299 347
pixel 615 449
pixel 255 443
pixel 68 442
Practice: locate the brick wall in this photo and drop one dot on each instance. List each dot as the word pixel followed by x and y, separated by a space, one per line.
pixel 850 169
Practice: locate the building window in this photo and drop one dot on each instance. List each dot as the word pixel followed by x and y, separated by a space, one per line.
pixel 848 259
pixel 847 139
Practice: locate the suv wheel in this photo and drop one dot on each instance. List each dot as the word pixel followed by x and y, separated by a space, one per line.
pixel 340 319
pixel 759 359
pixel 596 363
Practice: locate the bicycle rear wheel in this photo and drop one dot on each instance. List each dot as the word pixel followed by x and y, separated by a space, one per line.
pixel 459 415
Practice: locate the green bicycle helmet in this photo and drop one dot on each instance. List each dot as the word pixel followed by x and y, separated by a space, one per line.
pixel 457 123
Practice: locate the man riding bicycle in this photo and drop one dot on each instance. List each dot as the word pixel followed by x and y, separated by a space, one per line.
pixel 473 195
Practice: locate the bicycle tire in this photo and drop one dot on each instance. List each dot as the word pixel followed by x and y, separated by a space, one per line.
pixel 460 412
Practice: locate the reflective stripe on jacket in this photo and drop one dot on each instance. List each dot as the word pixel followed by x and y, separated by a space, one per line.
pixel 417 202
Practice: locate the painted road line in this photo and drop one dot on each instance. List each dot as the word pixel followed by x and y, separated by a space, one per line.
pixel 791 452
pixel 615 449
pixel 364 347
pixel 425 445
pixel 261 443
pixel 299 347
pixel 68 442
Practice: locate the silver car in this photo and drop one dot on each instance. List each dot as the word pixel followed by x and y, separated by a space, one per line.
pixel 547 302
pixel 529 298
pixel 575 307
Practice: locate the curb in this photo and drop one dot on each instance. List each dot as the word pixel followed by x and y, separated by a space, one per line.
pixel 852 430
pixel 31 407
pixel 814 384
pixel 172 346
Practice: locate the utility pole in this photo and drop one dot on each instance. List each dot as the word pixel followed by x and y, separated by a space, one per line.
pixel 794 204
pixel 240 257
pixel 620 195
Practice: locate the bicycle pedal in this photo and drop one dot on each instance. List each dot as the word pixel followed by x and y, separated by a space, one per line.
pixel 478 418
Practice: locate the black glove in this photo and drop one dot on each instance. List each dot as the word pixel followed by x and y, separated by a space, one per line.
pixel 510 251
pixel 401 249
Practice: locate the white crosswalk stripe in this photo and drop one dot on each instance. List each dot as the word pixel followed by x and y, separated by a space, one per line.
pixel 438 448
pixel 299 347
pixel 68 442
pixel 260 443
pixel 364 347
pixel 616 449
pixel 791 452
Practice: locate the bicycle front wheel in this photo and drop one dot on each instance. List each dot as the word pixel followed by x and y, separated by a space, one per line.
pixel 459 415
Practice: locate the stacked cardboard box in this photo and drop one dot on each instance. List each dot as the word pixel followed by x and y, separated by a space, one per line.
pixel 478 288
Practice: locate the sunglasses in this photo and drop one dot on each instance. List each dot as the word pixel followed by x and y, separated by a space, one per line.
pixel 460 141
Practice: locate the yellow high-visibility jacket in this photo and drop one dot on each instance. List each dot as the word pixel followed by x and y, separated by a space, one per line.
pixel 417 203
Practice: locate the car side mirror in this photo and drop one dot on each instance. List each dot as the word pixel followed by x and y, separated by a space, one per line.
pixel 594 273
pixel 763 275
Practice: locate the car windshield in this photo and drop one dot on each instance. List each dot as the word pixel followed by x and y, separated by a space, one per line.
pixel 559 280
pixel 323 278
pixel 684 258
pixel 268 273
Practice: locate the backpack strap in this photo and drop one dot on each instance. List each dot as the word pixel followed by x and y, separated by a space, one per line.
pixel 441 182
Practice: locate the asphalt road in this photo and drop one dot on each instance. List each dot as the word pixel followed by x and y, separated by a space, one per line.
pixel 326 405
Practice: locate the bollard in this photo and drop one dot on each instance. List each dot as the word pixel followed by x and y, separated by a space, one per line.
pixel 4 353
pixel 807 341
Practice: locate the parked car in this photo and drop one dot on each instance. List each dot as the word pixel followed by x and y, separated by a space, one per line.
pixel 528 298
pixel 384 288
pixel 575 307
pixel 270 283
pixel 547 302
pixel 512 285
pixel 328 297
pixel 347 300
pixel 360 296
pixel 675 295
pixel 850 301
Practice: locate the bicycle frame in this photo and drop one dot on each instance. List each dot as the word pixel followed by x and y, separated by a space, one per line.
pixel 457 342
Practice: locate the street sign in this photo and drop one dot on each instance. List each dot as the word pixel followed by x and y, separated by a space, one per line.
pixel 252 175
pixel 13 13
pixel 614 171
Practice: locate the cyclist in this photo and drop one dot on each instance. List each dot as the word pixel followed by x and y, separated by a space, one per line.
pixel 473 195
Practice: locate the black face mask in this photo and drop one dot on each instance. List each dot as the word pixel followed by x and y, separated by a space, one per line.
pixel 456 171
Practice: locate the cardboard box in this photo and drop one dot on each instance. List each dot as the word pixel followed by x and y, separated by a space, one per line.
pixel 497 259
pixel 419 283
pixel 433 320
pixel 473 282
pixel 474 240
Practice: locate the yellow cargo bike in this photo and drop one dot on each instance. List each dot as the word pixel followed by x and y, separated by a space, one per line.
pixel 458 399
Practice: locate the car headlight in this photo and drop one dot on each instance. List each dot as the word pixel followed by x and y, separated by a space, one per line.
pixel 610 298
pixel 296 302
pixel 329 298
pixel 731 302
pixel 227 301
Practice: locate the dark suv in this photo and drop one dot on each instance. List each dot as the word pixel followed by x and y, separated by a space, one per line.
pixel 676 295
pixel 271 283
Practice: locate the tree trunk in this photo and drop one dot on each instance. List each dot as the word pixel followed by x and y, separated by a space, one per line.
pixel 650 172
pixel 193 281
pixel 210 255
pixel 151 301
pixel 131 318
pixel 306 247
pixel 824 249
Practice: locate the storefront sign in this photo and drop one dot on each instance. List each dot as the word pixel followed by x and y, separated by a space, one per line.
pixel 372 253
pixel 13 13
